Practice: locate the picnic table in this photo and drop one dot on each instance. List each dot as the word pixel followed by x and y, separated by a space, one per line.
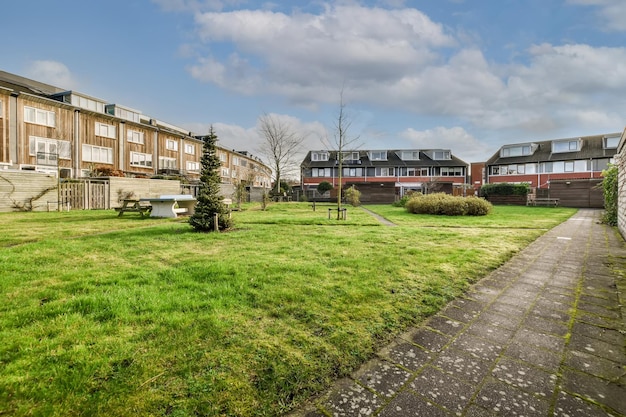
pixel 171 205
pixel 133 205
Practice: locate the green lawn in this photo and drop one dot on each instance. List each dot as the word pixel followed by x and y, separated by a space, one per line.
pixel 108 316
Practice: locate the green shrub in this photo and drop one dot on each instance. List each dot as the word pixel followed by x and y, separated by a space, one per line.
pixel 452 206
pixel 353 196
pixel 405 199
pixel 448 205
pixel 504 189
pixel 609 185
pixel 477 206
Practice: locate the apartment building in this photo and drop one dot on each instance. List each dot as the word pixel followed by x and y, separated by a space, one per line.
pixel 48 129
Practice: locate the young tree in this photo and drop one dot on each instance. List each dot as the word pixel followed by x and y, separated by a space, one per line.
pixel 342 142
pixel 210 202
pixel 280 145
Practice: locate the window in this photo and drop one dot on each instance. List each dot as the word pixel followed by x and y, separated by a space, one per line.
pixel 320 172
pixel 519 150
pixel 86 103
pixel 190 148
pixel 97 154
pixel 243 163
pixel 135 136
pixel 353 172
pixel 108 131
pixel 319 156
pixel 384 172
pixel 495 170
pixel 39 117
pixel 569 166
pixel 378 155
pixel 451 171
pixel 566 146
pixel 530 168
pixel 225 172
pixel 171 145
pixel 48 150
pixel 581 166
pixel 610 142
pixel 140 159
pixel 410 155
pixel 222 157
pixel 193 166
pixel 350 156
pixel 235 160
pixel 441 155
pixel 167 163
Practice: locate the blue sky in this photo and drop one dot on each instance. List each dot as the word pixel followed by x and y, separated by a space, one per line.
pixel 465 75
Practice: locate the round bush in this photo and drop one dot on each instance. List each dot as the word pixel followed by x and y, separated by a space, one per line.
pixel 477 206
pixel 445 204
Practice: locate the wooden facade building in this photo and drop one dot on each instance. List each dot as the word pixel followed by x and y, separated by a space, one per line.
pixel 47 129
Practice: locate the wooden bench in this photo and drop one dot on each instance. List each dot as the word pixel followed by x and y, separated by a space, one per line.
pixel 133 206
pixel 554 202
pixel 171 205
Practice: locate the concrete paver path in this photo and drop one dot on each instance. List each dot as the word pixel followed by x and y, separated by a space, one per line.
pixel 541 336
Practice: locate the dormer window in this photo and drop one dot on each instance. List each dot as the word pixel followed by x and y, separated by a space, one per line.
pixel 572 145
pixel 517 150
pixel 610 142
pixel 410 155
pixel 350 156
pixel 441 155
pixel 319 156
pixel 378 155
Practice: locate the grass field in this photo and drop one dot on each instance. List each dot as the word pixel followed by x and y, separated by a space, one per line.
pixel 108 316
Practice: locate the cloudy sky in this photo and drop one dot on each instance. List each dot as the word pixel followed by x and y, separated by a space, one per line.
pixel 465 75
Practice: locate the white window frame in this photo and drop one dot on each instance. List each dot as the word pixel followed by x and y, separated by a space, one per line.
pixel 441 155
pixel 384 172
pixel 190 149
pixel 106 130
pixel 572 145
pixel 171 145
pixel 104 155
pixel 167 163
pixel 410 155
pixel 321 172
pixel 48 150
pixel 193 166
pixel 378 155
pixel 350 156
pixel 135 136
pixel 39 117
pixel 143 160
pixel 225 172
pixel 319 156
pixel 611 142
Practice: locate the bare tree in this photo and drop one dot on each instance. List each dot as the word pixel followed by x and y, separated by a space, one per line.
pixel 342 141
pixel 281 143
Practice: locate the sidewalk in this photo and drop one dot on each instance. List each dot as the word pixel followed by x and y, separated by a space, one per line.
pixel 541 336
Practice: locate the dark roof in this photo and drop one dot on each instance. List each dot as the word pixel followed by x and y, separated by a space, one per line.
pixel 25 85
pixel 393 160
pixel 592 148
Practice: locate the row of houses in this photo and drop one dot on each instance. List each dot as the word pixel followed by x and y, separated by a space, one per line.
pixel 47 129
pixel 567 167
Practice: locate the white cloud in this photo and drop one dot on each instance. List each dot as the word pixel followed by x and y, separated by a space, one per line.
pixel 401 60
pixel 306 56
pixel 462 143
pixel 51 72
pixel 611 12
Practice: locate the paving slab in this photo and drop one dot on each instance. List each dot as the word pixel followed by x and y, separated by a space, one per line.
pixel 543 335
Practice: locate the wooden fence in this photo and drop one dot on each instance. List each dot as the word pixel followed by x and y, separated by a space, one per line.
pixel 85 195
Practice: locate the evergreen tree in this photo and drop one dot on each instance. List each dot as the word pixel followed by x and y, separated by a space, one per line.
pixel 209 199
